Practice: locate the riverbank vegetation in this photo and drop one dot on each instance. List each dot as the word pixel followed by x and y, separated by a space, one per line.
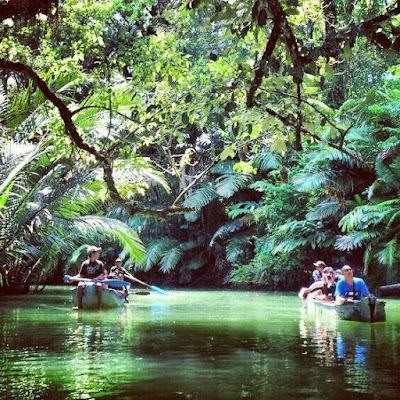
pixel 206 142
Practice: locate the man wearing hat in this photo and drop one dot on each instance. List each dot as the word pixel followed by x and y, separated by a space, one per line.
pixel 319 268
pixel 94 270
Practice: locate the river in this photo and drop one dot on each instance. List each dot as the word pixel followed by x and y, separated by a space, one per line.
pixel 193 345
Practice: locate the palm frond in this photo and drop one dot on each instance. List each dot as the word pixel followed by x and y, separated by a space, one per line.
pixel 242 208
pixel 354 240
pixel 266 161
pixel 199 198
pixel 171 259
pixel 329 154
pixel 387 255
pixel 326 209
pixel 363 217
pixel 156 250
pixel 312 180
pixel 3 101
pixel 137 174
pixel 289 245
pixel 225 231
pixel 228 185
pixel 93 226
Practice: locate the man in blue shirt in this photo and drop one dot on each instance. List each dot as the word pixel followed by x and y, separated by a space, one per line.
pixel 350 288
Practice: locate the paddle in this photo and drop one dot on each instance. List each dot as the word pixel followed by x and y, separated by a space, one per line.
pixel 112 282
pixel 151 287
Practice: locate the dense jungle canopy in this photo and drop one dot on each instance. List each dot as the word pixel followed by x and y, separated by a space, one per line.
pixel 206 142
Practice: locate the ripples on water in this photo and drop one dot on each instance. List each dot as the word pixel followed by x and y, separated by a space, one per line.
pixel 193 345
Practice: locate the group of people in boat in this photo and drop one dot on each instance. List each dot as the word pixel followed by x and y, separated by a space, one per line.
pixel 94 269
pixel 336 285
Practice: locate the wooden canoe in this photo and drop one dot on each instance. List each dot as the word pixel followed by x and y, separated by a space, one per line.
pixel 368 309
pixel 388 290
pixel 111 298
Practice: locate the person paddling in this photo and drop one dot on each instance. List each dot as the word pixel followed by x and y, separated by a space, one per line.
pixel 350 288
pixel 94 270
pixel 119 272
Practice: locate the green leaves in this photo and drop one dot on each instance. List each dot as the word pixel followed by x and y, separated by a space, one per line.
pixel 228 152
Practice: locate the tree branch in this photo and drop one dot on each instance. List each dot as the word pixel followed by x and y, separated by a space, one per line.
pixel 195 180
pixel 71 130
pixel 259 71
pixel 290 121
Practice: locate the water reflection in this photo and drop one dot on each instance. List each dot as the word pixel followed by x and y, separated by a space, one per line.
pixel 214 345
pixel 357 352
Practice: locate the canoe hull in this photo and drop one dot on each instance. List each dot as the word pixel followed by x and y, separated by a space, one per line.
pixel 111 298
pixel 365 310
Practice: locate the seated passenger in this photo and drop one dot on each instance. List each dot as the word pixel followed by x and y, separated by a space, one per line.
pixel 350 288
pixel 329 278
pixel 319 267
pixel 323 289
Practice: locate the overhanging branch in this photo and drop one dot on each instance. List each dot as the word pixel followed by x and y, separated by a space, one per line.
pixel 73 133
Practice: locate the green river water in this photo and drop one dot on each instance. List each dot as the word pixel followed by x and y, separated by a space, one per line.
pixel 193 345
